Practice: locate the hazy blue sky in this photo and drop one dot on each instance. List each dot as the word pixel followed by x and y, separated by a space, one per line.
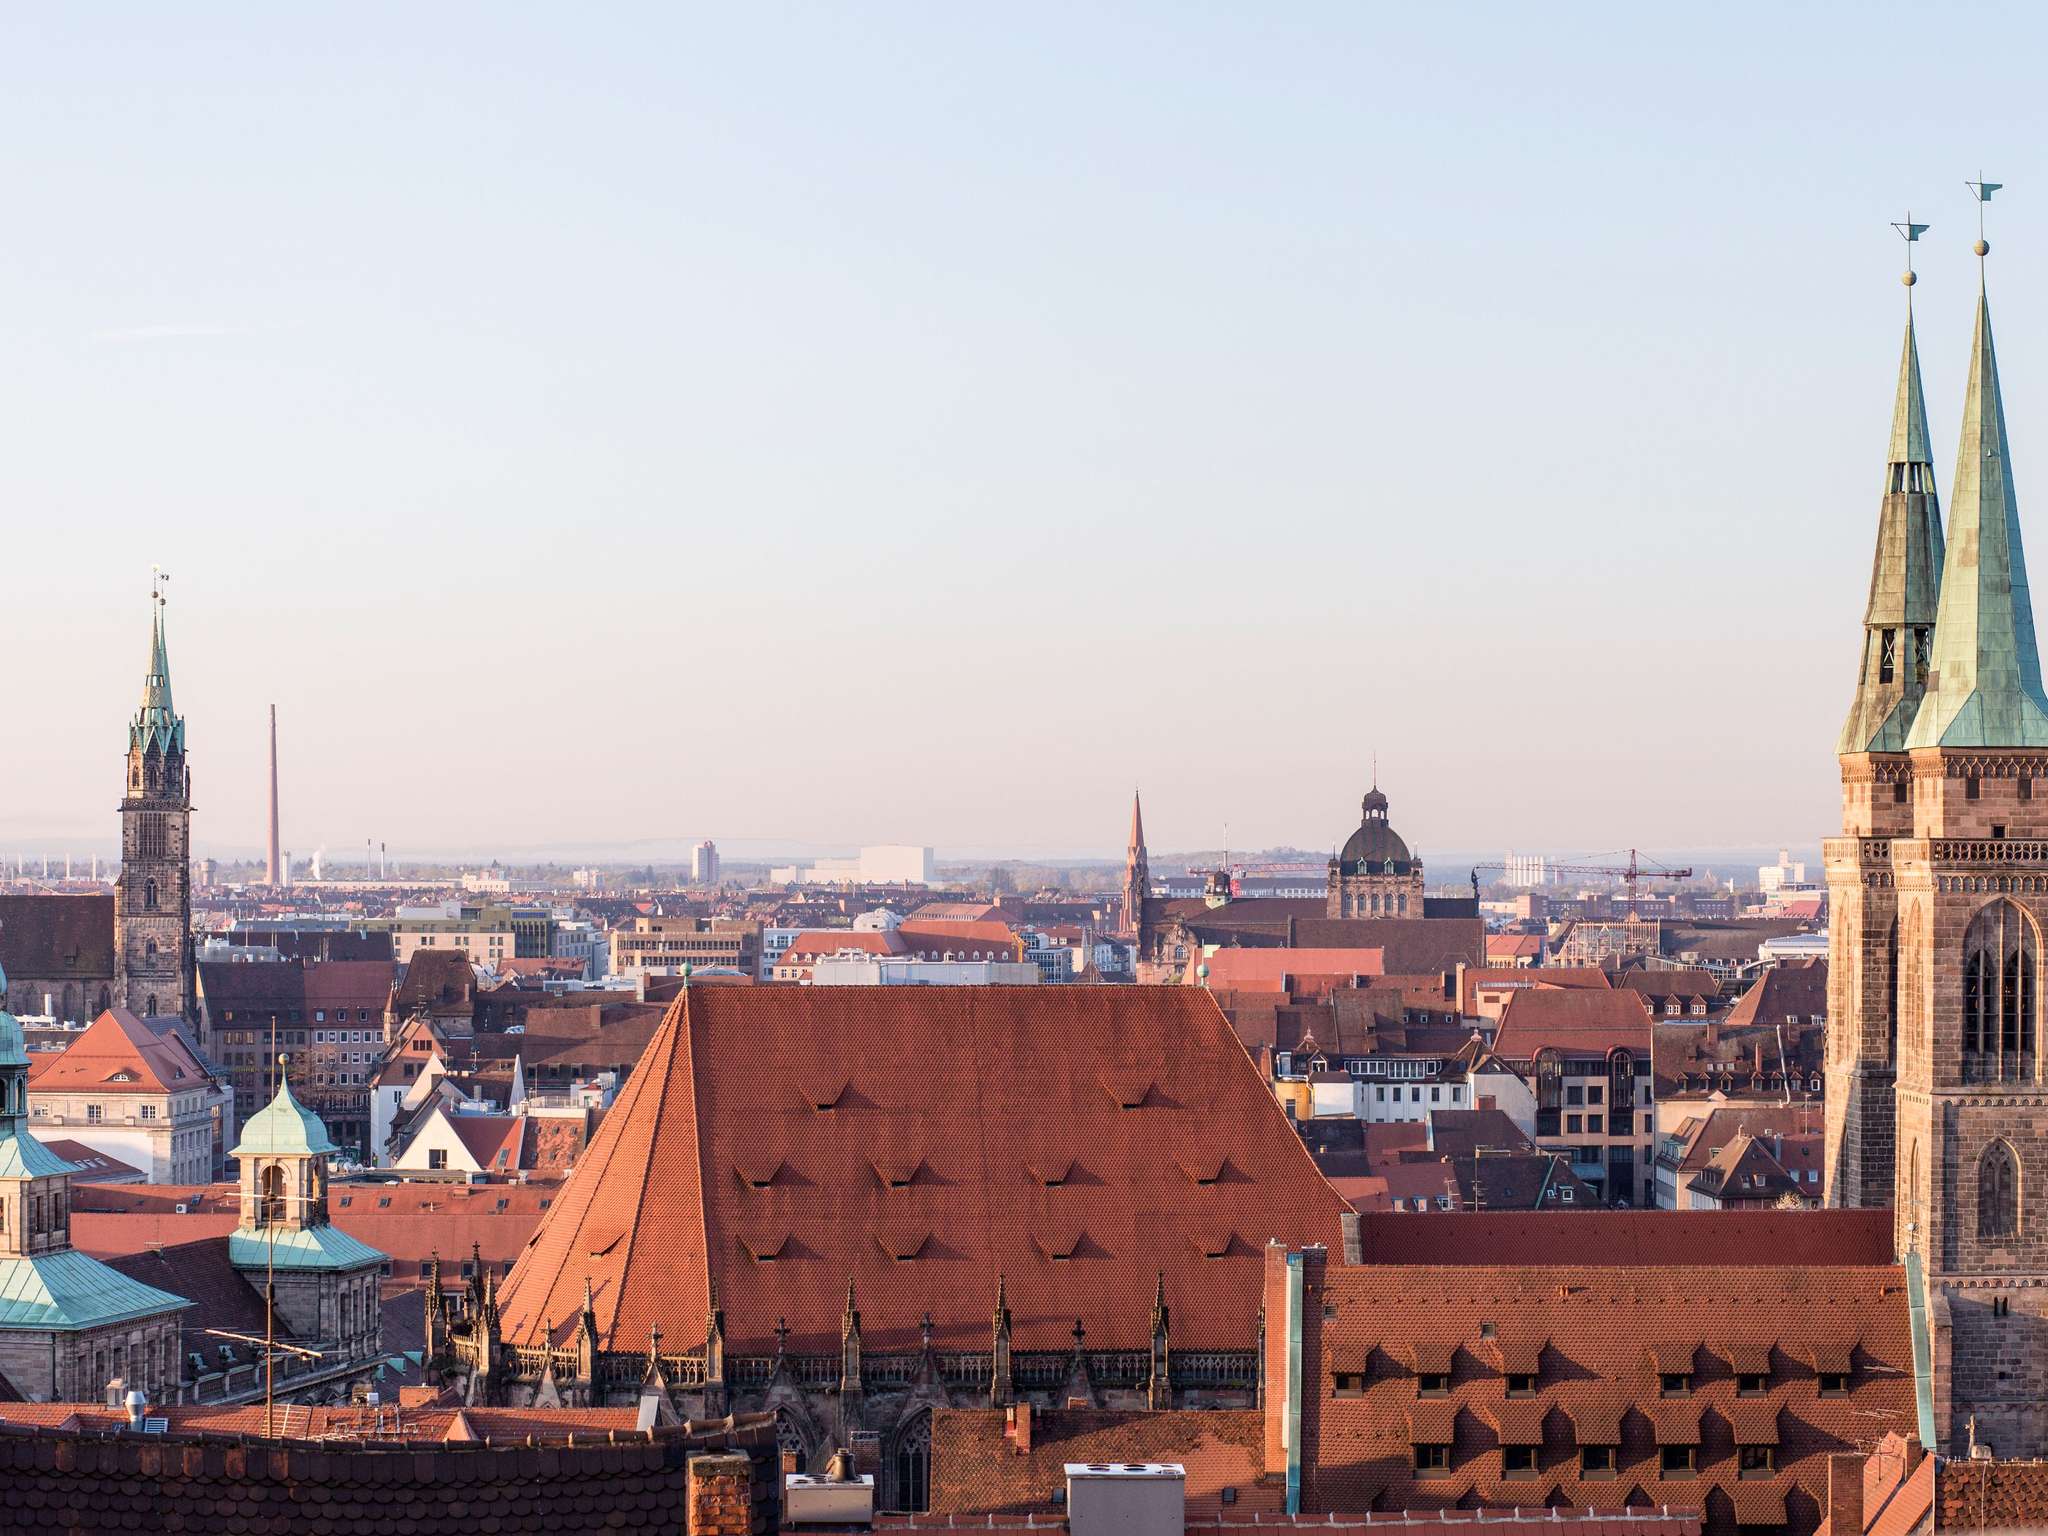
pixel 920 422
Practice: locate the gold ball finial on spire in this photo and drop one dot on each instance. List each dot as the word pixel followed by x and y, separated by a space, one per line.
pixel 1910 277
pixel 1982 247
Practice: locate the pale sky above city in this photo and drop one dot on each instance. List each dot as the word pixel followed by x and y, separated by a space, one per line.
pixel 919 423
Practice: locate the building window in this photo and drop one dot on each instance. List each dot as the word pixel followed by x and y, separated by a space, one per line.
pixel 1998 1193
pixel 1676 1460
pixel 1751 1384
pixel 1433 1459
pixel 1518 1460
pixel 1675 1384
pixel 2000 967
pixel 1521 1384
pixel 149 1111
pixel 1347 1384
pixel 1970 787
pixel 437 1157
pixel 1756 1460
pixel 93 1114
pixel 1834 1383
pixel 1432 1383
pixel 1596 1460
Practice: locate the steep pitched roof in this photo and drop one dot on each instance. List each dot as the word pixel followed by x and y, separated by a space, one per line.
pixel 53 938
pixel 118 1053
pixel 1808 1239
pixel 1577 1022
pixel 1598 1337
pixel 783 1140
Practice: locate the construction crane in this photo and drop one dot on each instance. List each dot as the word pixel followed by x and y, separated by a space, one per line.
pixel 1628 874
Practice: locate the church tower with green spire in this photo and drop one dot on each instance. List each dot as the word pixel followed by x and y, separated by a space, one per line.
pixel 1960 847
pixel 1898 640
pixel 153 901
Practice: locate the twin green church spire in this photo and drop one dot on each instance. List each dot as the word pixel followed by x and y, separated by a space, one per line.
pixel 1950 658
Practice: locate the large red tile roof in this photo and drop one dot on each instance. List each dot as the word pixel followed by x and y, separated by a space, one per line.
pixel 1270 969
pixel 1601 1337
pixel 1577 1021
pixel 784 1121
pixel 1819 1239
pixel 118 1053
pixel 977 1468
pixel 50 937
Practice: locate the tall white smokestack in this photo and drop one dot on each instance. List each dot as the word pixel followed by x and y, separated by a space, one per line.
pixel 274 869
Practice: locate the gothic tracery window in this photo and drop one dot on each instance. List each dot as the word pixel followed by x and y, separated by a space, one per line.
pixel 2001 964
pixel 911 1465
pixel 1998 1193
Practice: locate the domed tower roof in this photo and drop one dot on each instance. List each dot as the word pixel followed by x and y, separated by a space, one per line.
pixel 1375 846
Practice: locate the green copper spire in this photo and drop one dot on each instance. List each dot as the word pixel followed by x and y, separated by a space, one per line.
pixel 156 723
pixel 1985 687
pixel 1905 577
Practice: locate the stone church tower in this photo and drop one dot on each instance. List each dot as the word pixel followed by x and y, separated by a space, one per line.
pixel 1953 837
pixel 1898 630
pixel 1137 873
pixel 153 901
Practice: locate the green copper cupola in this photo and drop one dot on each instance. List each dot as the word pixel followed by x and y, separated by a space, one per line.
pixel 1984 688
pixel 1905 577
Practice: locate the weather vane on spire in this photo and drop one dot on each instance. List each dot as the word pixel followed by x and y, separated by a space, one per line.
pixel 1982 190
pixel 1910 233
pixel 157 577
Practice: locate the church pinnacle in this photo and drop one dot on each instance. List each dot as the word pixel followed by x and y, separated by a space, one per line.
pixel 1905 573
pixel 1984 688
pixel 156 722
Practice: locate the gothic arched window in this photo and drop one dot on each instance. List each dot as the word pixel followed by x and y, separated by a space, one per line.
pixel 2001 963
pixel 789 1436
pixel 910 1465
pixel 149 895
pixel 1998 1193
pixel 272 1209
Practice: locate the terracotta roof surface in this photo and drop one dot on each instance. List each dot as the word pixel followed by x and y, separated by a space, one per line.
pixel 1819 1239
pixel 79 1480
pixel 1597 1378
pixel 977 1468
pixel 971 1089
pixel 53 938
pixel 1268 969
pixel 118 1053
pixel 1576 1022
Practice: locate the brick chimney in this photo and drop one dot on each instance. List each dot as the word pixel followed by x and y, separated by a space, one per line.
pixel 1020 1428
pixel 1845 1495
pixel 721 1496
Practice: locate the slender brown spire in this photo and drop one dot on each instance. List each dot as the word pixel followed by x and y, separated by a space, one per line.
pixel 1137 871
pixel 1905 572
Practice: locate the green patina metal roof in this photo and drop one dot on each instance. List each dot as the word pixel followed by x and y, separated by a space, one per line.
pixel 1985 687
pixel 1905 575
pixel 286 1127
pixel 69 1290
pixel 23 1157
pixel 323 1247
pixel 156 722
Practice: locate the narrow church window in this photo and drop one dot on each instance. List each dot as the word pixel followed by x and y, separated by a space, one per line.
pixel 2000 960
pixel 913 1464
pixel 1922 652
pixel 149 895
pixel 1970 787
pixel 2026 786
pixel 1998 1193
pixel 1887 652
